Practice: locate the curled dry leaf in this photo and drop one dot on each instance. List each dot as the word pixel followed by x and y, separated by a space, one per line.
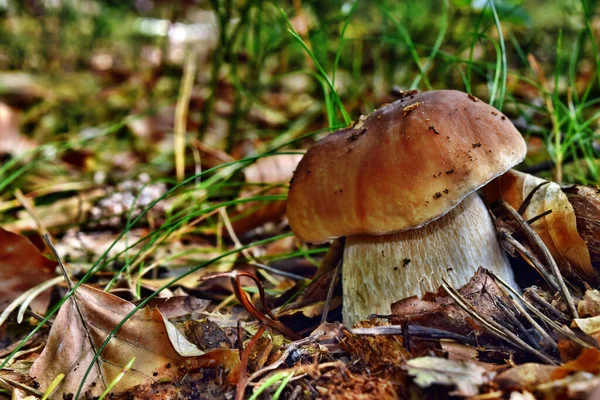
pixel 272 171
pixel 438 310
pixel 69 348
pixel 589 326
pixel 590 304
pixel 524 377
pixel 22 267
pixel 466 377
pixel 586 203
pixel 558 230
pixel 588 361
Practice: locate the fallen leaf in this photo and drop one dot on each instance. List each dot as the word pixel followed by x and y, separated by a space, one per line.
pixel 438 310
pixel 524 377
pixel 266 177
pixel 466 377
pixel 588 361
pixel 11 140
pixel 180 342
pixel 69 351
pixel 178 306
pixel 590 326
pixel 590 304
pixel 558 230
pixel 22 267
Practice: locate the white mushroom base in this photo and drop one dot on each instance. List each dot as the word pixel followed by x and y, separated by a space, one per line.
pixel 380 270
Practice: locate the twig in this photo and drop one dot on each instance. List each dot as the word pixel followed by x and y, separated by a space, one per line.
pixel 509 291
pixel 181 112
pixel 539 267
pixel 28 389
pixel 330 292
pixel 492 326
pixel 563 329
pixel 554 313
pixel 546 253
pixel 417 331
pixel 269 318
pixel 516 323
pixel 242 381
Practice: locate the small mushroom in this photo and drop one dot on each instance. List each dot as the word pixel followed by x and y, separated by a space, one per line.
pixel 405 198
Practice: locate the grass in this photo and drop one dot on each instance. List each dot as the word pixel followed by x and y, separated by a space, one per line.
pixel 355 52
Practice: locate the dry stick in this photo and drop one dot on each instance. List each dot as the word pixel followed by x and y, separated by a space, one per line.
pixel 30 208
pixel 516 323
pixel 241 385
pixel 549 259
pixel 502 286
pixel 539 267
pixel 269 318
pixel 554 313
pixel 181 112
pixel 421 332
pixel 10 383
pixel 74 299
pixel 561 328
pixel 492 326
pixel 330 292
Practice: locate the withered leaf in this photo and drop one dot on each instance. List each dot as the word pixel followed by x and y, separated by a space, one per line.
pixel 22 267
pixel 441 312
pixel 558 230
pixel 590 304
pixel 276 171
pixel 466 377
pixel 69 350
pixel 588 361
pixel 524 377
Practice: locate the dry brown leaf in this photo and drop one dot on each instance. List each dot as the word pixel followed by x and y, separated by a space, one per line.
pixel 524 377
pixel 22 267
pixel 466 377
pixel 438 310
pixel 11 140
pixel 68 211
pixel 558 230
pixel 590 304
pixel 69 351
pixel 273 170
pixel 588 361
pixel 590 326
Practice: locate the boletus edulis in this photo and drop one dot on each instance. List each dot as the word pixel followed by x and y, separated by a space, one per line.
pixel 400 186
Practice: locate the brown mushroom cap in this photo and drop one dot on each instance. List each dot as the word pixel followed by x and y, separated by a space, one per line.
pixel 404 165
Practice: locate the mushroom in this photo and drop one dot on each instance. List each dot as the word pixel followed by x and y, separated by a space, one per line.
pixel 400 186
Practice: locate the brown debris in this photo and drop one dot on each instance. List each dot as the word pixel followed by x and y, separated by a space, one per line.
pixel 410 108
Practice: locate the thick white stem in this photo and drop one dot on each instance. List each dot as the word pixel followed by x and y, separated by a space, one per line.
pixel 380 270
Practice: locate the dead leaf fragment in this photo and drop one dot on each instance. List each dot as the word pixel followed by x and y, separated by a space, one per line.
pixel 466 377
pixel 590 304
pixel 558 230
pixel 69 350
pixel 524 377
pixel 588 361
pixel 22 267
